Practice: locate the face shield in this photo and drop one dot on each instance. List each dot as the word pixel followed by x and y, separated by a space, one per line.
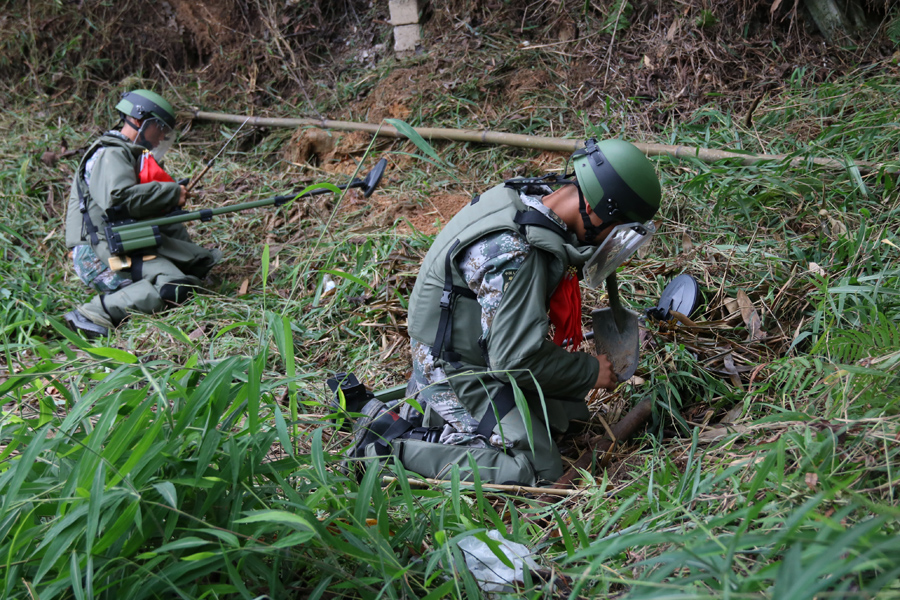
pixel 619 245
pixel 156 136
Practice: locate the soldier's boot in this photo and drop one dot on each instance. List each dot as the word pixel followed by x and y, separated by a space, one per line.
pixel 79 323
pixel 176 292
pixel 378 424
pixel 110 310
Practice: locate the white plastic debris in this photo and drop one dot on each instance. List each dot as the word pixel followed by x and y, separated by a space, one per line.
pixel 328 286
pixel 489 571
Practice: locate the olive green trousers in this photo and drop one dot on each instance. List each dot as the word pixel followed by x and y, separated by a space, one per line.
pixel 177 259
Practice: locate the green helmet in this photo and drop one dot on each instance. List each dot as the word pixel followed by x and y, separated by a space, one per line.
pixel 142 104
pixel 617 180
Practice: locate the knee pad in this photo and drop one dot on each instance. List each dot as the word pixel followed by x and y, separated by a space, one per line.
pixel 177 291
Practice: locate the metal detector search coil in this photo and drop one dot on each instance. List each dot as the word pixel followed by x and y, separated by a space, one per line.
pixel 619 245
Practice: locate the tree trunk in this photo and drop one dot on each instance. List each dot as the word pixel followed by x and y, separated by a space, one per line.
pixel 837 18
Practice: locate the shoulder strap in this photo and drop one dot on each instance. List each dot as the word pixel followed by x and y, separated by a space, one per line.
pixel 85 195
pixel 536 218
pixel 448 299
pixel 502 402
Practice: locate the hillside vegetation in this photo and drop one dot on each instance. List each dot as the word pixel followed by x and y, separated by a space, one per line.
pixel 194 454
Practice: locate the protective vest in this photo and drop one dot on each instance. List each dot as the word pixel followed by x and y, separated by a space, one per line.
pixel 80 205
pixel 498 209
pixel 445 314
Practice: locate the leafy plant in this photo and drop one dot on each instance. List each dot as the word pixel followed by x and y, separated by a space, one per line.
pixel 193 453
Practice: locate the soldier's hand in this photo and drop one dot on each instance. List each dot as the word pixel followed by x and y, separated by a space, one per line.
pixel 182 198
pixel 606 377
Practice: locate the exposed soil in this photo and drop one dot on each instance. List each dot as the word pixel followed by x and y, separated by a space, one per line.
pixel 335 152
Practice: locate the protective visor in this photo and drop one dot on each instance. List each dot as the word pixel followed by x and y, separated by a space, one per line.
pixel 619 245
pixel 155 136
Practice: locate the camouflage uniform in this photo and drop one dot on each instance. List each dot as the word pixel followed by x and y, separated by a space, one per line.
pixel 109 177
pixel 88 266
pixel 94 273
pixel 511 271
pixel 488 266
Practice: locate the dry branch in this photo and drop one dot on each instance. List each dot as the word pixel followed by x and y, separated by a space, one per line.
pixel 624 429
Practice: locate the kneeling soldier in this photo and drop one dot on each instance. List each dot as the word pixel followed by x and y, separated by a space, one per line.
pixel 478 319
pixel 120 177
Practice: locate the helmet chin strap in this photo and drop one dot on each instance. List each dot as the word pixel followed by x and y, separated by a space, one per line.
pixel 140 140
pixel 591 231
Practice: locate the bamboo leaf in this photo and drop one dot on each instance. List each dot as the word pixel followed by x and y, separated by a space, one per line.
pixel 122 356
pixel 167 491
pixel 281 428
pixel 201 556
pixel 413 136
pixel 254 376
pixel 23 468
pixel 318 455
pixel 95 503
pixel 233 326
pixel 278 517
pixel 347 276
pixel 75 577
pixel 265 267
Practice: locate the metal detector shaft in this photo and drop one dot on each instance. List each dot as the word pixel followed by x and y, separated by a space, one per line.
pixel 129 237
pixel 208 213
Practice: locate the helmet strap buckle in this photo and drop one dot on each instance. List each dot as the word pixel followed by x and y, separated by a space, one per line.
pixel 611 207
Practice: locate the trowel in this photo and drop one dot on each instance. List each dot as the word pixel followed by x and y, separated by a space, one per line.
pixel 615 329
pixel 616 332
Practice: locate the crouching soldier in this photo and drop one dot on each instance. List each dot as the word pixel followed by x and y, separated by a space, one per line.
pixel 479 322
pixel 120 177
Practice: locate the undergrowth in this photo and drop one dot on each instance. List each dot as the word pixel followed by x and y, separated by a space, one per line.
pixel 193 454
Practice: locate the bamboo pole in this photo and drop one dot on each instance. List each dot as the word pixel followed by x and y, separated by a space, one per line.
pixel 707 155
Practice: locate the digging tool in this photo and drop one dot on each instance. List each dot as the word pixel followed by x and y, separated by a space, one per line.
pixel 615 332
pixel 679 297
pixel 616 335
pixel 128 235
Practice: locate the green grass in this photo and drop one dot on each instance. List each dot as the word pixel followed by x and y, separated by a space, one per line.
pixel 190 455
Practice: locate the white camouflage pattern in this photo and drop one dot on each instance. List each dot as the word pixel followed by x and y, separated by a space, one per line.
pixel 488 265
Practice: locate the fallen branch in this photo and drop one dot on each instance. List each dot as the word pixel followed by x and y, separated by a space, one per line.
pixel 707 155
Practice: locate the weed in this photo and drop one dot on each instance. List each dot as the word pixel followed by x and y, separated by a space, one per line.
pixel 191 454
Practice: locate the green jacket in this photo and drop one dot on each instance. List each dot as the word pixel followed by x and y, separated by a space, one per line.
pixel 114 182
pixel 517 339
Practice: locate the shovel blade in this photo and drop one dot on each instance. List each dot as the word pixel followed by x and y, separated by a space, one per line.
pixel 619 341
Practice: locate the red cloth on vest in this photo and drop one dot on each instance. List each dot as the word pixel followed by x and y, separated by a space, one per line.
pixel 151 171
pixel 565 311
